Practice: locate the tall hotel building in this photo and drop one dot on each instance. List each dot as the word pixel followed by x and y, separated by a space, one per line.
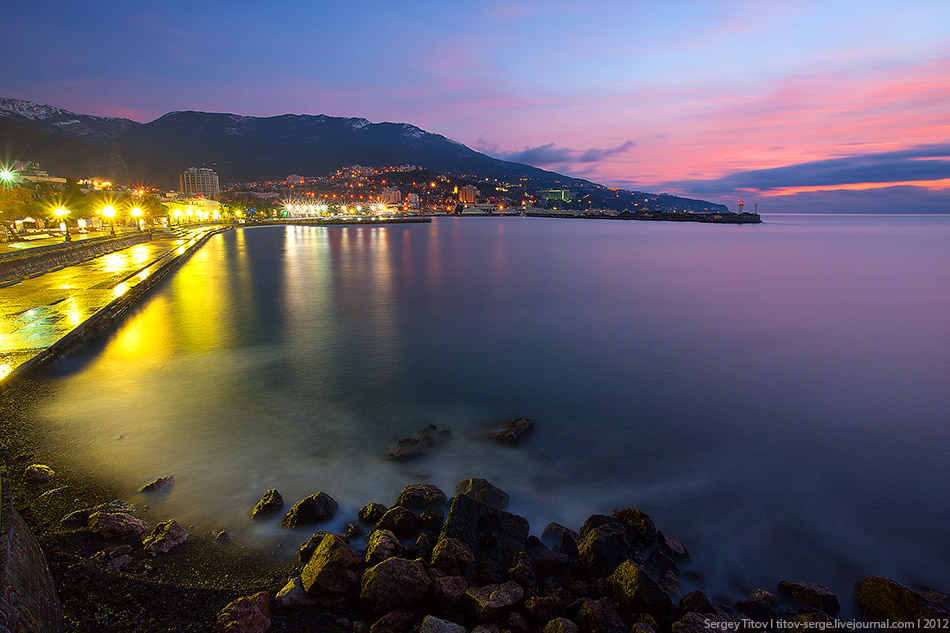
pixel 200 181
pixel 468 194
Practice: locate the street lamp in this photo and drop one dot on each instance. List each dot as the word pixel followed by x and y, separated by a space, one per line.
pixel 109 212
pixel 177 216
pixel 61 213
pixel 137 213
pixel 6 176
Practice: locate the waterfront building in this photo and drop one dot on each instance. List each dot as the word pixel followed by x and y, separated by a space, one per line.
pixel 200 181
pixel 468 194
pixel 390 195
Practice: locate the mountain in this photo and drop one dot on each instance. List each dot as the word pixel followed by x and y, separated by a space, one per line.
pixel 95 130
pixel 246 148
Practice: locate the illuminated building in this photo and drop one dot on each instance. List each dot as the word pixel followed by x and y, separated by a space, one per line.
pixel 200 181
pixel 467 194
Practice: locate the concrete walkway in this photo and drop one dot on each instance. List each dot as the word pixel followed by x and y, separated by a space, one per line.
pixel 36 313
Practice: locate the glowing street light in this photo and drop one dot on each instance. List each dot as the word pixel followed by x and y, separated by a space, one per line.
pixel 137 214
pixel 61 213
pixel 109 212
pixel 6 176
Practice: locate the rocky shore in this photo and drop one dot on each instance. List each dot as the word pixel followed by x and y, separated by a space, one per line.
pixel 425 562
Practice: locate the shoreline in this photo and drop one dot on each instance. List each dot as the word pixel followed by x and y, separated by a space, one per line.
pixel 571 569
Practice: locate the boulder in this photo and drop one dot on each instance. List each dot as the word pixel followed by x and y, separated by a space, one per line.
pixel 596 520
pixel 492 602
pixel 448 590
pixel 700 623
pixel 483 491
pixel 492 534
pixel 641 523
pixel 395 582
pixel 81 517
pixel 521 570
pixel 331 572
pixel 755 610
pixel 600 616
pixel 512 432
pixel 159 484
pixel 693 602
pixel 118 562
pixel 115 524
pixel 431 520
pixel 881 598
pixel 545 608
pixel 561 538
pixel 811 595
pixel 382 544
pixel 451 554
pixel 809 619
pixel 432 624
pixel 293 593
pixel 761 595
pixel 351 531
pixel 423 546
pixel 250 614
pixel 637 593
pixel 560 625
pixel 372 512
pixel 548 564
pixel 421 497
pixel 38 472
pixel 671 547
pixel 313 509
pixel 221 536
pixel 401 621
pixel 269 505
pixel 165 536
pixel 307 549
pixel 670 583
pixel 659 563
pixel 419 445
pixel 603 548
pixel 400 521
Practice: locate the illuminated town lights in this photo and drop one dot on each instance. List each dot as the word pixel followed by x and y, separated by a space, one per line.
pixel 109 212
pixel 61 213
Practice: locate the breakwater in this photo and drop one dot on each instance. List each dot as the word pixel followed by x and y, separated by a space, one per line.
pixel 35 261
pixel 710 218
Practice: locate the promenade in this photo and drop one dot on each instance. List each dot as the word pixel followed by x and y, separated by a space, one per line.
pixel 38 312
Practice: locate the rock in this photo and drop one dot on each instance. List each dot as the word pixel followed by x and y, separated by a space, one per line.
pixel 561 538
pixel 116 524
pixel 516 623
pixel 451 554
pixel 483 491
pixel 560 625
pixel 448 590
pixel 493 601
pixel 596 520
pixel 119 562
pixel 293 593
pixel 642 524
pixel 488 628
pixel 670 584
pixel 165 536
pixel 659 563
pixel 810 594
pixel 400 521
pixel 521 570
pixel 884 599
pixel 351 531
pixel 313 509
pixel 432 624
pixel 250 614
pixel 644 623
pixel 550 564
pixel 159 484
pixel 38 472
pixel 382 544
pixel 401 621
pixel 372 512
pixel 693 602
pixel 492 534
pixel 761 595
pixel 700 623
pixel 545 608
pixel 671 547
pixel 755 610
pixel 221 536
pixel 423 546
pixel 307 549
pixel 421 497
pixel 81 517
pixel 600 616
pixel 808 619
pixel 395 582
pixel 603 548
pixel 513 432
pixel 419 445
pixel 331 572
pixel 638 593
pixel 269 505
pixel 431 520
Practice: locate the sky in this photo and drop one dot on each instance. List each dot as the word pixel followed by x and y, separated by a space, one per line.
pixel 831 105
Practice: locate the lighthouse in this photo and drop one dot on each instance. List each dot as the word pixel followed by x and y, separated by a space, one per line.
pixel 741 206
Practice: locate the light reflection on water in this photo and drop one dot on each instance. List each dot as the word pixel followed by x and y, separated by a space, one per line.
pixel 774 395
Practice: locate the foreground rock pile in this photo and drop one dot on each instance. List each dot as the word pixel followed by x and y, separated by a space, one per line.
pixel 467 565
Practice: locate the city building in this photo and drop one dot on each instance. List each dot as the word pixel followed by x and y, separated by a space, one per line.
pixel 200 181
pixel 390 195
pixel 468 194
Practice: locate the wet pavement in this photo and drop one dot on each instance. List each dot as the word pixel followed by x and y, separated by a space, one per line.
pixel 37 312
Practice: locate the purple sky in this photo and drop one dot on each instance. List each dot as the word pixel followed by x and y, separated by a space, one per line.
pixel 810 106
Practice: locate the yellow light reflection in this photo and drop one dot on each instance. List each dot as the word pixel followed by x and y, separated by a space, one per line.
pixel 121 289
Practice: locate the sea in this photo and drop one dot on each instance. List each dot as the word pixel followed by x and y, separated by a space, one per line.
pixel 775 396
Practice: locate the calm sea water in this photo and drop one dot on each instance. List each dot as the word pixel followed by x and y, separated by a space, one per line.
pixel 776 396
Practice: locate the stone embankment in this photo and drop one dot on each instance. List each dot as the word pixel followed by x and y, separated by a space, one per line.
pixel 36 261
